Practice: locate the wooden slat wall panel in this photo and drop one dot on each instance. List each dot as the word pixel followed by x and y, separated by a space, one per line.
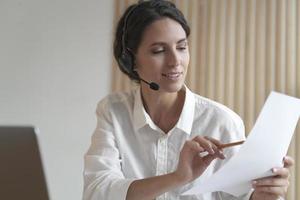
pixel 203 40
pixel 260 55
pixel 230 57
pixel 291 71
pixel 250 63
pixel 220 51
pixel 211 74
pixel 270 45
pixel 296 171
pixel 192 72
pixel 240 51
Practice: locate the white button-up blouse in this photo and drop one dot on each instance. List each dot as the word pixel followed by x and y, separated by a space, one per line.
pixel 127 145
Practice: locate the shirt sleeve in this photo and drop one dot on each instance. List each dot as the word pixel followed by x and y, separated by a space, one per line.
pixel 103 177
pixel 247 196
pixel 225 196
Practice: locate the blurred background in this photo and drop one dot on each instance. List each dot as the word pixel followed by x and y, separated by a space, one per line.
pixel 56 63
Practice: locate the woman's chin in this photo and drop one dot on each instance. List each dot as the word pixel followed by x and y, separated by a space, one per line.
pixel 171 88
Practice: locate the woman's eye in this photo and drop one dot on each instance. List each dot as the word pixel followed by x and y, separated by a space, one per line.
pixel 182 48
pixel 158 51
pixel 161 50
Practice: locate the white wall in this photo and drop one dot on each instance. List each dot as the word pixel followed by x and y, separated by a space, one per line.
pixel 55 59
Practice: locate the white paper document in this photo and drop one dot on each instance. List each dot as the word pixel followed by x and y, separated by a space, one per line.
pixel 264 148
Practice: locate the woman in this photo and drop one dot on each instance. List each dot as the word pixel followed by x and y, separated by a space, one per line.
pixel 147 141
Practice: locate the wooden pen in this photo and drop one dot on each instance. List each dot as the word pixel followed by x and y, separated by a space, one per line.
pixel 222 146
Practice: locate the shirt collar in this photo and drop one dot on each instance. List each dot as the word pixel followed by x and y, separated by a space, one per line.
pixel 140 116
pixel 186 118
pixel 185 122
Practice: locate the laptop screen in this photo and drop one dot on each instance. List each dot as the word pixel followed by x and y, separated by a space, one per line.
pixel 21 169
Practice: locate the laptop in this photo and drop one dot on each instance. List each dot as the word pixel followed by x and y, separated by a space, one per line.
pixel 21 169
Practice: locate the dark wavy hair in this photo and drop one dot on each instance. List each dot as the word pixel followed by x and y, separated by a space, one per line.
pixel 138 16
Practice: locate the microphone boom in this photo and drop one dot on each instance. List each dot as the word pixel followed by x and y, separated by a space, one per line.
pixel 152 85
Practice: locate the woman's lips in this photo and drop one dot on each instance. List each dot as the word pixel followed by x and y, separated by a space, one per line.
pixel 172 75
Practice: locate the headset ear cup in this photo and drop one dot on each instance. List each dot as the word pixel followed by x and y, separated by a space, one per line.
pixel 126 61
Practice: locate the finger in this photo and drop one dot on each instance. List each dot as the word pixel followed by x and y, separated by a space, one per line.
pixel 216 147
pixel 220 154
pixel 271 182
pixel 194 146
pixel 213 140
pixel 278 191
pixel 208 159
pixel 206 144
pixel 288 161
pixel 281 172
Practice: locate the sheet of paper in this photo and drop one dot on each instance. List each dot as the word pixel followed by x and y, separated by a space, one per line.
pixel 264 148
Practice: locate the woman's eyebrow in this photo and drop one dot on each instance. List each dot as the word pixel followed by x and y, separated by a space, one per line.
pixel 164 43
pixel 182 40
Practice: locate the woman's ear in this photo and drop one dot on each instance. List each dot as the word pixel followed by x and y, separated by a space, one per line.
pixel 135 67
pixel 135 71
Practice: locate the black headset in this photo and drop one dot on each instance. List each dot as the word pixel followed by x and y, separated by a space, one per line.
pixel 126 60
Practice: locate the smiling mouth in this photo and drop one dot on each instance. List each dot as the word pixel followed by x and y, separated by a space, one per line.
pixel 173 75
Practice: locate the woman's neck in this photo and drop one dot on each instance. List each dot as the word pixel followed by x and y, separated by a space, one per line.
pixel 163 108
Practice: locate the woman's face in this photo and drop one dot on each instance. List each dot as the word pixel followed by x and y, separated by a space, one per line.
pixel 163 55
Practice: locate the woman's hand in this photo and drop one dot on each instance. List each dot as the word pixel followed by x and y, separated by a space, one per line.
pixel 191 165
pixel 271 188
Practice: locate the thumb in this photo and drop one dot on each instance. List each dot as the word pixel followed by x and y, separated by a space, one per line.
pixel 206 160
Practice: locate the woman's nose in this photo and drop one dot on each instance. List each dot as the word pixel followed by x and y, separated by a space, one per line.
pixel 173 58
